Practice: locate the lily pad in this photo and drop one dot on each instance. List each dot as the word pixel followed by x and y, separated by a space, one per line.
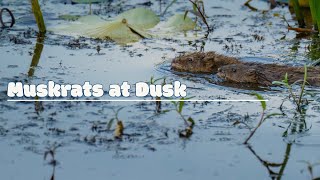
pixel 179 22
pixel 79 27
pixel 119 31
pixel 140 17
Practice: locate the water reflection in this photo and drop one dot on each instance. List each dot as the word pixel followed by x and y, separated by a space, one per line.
pixel 271 165
pixel 297 126
pixel 38 105
pixel 36 56
pixel 314 48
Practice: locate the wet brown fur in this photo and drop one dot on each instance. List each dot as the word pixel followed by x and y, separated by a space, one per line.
pixel 233 70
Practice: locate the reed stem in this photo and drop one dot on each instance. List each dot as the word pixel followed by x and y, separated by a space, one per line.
pixel 38 16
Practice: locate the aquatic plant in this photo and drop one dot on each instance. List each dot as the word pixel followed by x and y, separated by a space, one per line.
pixel 38 16
pixel 158 102
pixel 297 99
pixel 315 8
pixel 262 118
pixel 118 131
pixel 314 13
pixel 180 22
pixel 197 9
pixel 188 131
pixel 127 27
pixel 298 13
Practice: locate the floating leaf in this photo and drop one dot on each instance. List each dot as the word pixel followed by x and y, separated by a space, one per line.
pixel 180 22
pixel 91 20
pixel 140 17
pixel 121 32
pixel 126 28
pixel 81 26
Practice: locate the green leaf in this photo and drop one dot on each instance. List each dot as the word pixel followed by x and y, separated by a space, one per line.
pixel 262 101
pixel 181 104
pixel 179 22
pixel 191 121
pixel 110 123
pixel 120 32
pixel 139 17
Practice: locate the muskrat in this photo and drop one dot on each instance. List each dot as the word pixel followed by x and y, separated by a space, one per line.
pixel 201 62
pixel 265 74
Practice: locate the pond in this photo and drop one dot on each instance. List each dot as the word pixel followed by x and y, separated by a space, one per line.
pixel 76 136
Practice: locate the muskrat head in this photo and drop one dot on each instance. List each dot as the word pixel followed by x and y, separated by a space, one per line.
pixel 238 73
pixel 194 62
pixel 200 62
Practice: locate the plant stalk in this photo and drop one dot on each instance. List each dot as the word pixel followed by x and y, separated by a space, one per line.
pixel 255 129
pixel 38 16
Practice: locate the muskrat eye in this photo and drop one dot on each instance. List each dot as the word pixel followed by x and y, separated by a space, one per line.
pixel 190 59
pixel 234 70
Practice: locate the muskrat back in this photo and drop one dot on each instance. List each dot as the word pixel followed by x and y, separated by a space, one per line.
pixel 265 74
pixel 201 62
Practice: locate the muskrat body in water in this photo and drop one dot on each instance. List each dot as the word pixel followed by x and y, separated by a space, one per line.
pixel 265 74
pixel 233 70
pixel 200 62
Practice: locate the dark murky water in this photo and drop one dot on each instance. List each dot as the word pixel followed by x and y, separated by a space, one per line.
pixel 151 148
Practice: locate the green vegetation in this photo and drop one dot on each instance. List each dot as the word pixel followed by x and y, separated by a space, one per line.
pixel 297 99
pixel 298 12
pixel 118 131
pixel 188 131
pixel 262 119
pixel 38 16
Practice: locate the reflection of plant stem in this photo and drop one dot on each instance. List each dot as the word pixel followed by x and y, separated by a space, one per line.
pixel 285 161
pixel 255 129
pixel 302 88
pixel 265 163
pixel 269 165
pixel 36 56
